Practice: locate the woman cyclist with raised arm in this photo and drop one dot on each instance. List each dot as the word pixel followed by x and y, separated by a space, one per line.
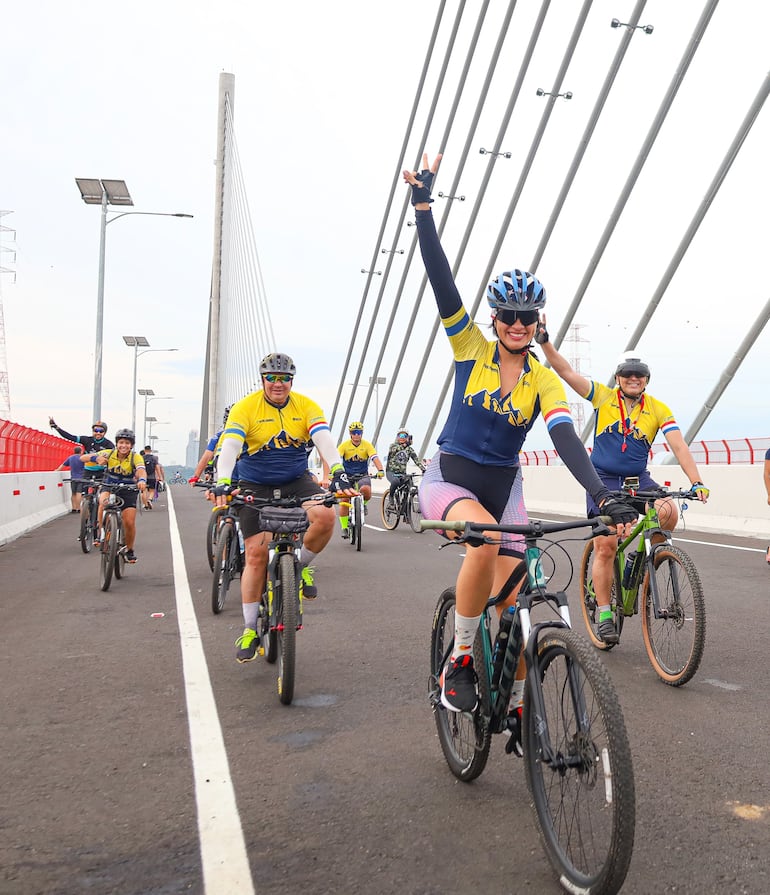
pixel 500 389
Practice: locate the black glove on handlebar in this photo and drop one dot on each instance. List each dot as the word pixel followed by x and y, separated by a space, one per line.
pixel 421 191
pixel 340 480
pixel 619 511
pixel 223 490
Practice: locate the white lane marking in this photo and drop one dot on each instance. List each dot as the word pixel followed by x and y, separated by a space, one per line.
pixel 722 684
pixel 223 849
pixel 726 546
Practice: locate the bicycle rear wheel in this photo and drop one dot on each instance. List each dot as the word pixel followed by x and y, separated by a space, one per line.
pixel 675 641
pixel 358 509
pixel 86 527
pixel 584 801
pixel 588 603
pixel 109 549
pixel 212 532
pixel 464 736
pixel 288 618
pixel 389 510
pixel 415 516
pixel 223 565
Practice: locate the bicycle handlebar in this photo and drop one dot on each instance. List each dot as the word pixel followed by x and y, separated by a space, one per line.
pixel 533 529
pixel 657 493
pixel 247 499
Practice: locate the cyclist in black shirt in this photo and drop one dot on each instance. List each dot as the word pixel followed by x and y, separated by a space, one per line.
pixel 96 441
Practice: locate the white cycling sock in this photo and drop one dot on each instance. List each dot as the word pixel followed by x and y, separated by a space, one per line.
pixel 306 556
pixel 250 615
pixel 465 634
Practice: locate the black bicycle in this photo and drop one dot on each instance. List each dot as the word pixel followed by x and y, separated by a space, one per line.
pixel 88 512
pixel 571 730
pixel 280 609
pixel 228 556
pixel 402 502
pixel 113 544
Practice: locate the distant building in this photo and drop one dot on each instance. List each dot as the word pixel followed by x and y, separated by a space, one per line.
pixel 193 450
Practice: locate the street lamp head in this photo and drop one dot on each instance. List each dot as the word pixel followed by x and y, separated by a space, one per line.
pixel 136 341
pixel 145 391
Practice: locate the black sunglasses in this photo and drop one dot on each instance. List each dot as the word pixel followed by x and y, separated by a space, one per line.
pixel 640 372
pixel 508 316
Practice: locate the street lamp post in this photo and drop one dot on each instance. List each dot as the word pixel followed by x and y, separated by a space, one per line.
pixel 154 420
pixel 137 342
pixel 95 191
pixel 149 395
pixel 380 380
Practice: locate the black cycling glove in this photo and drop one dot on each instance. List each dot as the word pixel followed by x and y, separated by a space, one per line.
pixel 340 479
pixel 421 190
pixel 541 333
pixel 618 510
pixel 223 488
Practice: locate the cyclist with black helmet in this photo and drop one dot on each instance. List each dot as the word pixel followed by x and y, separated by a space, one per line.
pixel 626 422
pixel 96 441
pixel 122 465
pixel 276 425
pixel 399 455
pixel 357 454
pixel 500 390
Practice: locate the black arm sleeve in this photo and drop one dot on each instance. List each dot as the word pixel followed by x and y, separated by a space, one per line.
pixel 67 435
pixel 570 449
pixel 436 266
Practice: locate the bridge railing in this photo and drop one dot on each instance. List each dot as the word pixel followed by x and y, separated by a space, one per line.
pixel 727 451
pixel 29 450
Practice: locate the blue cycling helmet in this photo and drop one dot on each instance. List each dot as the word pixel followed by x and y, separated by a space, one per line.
pixel 517 290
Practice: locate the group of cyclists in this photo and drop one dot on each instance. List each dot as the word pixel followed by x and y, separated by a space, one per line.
pixel 500 389
pixel 97 459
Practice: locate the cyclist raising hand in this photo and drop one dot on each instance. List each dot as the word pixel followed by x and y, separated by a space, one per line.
pixel 500 390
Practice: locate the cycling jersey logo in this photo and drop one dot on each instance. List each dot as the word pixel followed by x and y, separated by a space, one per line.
pixel 282 440
pixel 494 405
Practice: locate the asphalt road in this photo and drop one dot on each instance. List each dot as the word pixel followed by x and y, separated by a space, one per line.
pixel 115 778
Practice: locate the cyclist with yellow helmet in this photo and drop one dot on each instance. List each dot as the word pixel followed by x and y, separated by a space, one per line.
pixel 356 455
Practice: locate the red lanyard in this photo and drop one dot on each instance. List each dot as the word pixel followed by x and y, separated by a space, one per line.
pixel 627 429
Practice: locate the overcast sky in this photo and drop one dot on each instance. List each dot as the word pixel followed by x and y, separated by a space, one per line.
pixel 322 97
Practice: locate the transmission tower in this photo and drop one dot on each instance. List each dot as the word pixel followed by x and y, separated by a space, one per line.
pixel 576 349
pixel 5 397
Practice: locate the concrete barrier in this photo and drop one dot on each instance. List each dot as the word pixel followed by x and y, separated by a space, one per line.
pixel 737 505
pixel 30 499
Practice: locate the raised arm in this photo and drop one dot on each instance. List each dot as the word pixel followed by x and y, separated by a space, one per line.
pixel 559 364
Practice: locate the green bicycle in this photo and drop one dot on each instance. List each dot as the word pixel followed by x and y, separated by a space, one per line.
pixel 672 603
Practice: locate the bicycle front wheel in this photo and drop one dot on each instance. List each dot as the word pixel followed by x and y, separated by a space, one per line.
pixel 675 641
pixel 584 798
pixel 415 516
pixel 358 525
pixel 212 532
pixel 109 550
pixel 464 736
pixel 86 528
pixel 223 565
pixel 288 619
pixel 389 510
pixel 588 604
pixel 120 555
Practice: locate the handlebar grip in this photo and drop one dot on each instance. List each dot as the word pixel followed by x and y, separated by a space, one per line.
pixel 440 524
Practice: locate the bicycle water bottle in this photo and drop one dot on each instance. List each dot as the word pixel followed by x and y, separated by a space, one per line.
pixel 629 573
pixel 501 643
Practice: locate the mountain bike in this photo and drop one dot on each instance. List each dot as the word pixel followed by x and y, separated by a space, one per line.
pixel 402 502
pixel 113 544
pixel 356 513
pixel 571 730
pixel 88 509
pixel 228 556
pixel 280 608
pixel 673 607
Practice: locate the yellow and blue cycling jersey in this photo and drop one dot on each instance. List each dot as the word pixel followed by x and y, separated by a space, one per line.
pixel 484 425
pixel 622 443
pixel 276 440
pixel 355 458
pixel 118 470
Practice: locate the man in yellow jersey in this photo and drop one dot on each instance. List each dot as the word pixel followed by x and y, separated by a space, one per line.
pixel 122 466
pixel 270 433
pixel 626 421
pixel 356 455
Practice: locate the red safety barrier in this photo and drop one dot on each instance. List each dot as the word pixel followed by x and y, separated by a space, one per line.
pixel 727 451
pixel 29 450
